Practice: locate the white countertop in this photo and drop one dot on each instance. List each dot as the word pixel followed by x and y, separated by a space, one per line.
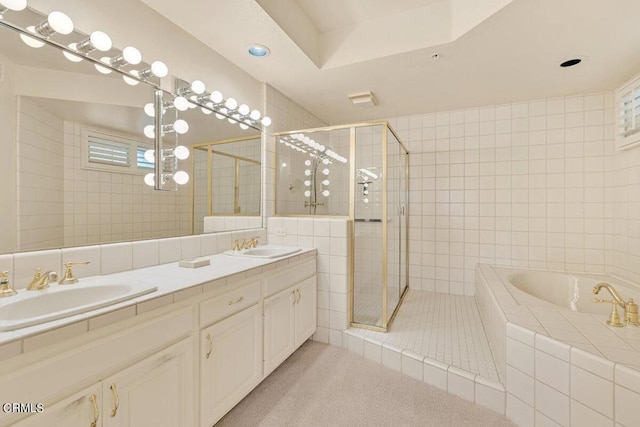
pixel 173 283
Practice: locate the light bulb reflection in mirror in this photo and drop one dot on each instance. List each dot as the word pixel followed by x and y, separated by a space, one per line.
pixel 181 177
pixel 326 193
pixel 307 183
pixel 30 41
pixel 325 182
pixel 365 200
pixel 180 126
pixel 149 109
pixel 216 97
pixel 307 172
pixel 70 56
pixel 181 103
pixel 181 152
pixel 150 179
pixel 307 193
pixel 150 156
pixel 266 121
pixel 129 80
pixel 150 131
pixel 254 115
pixel 101 69
pixel 16 5
pixel 325 171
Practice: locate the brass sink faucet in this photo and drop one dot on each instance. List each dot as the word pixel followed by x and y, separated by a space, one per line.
pixel 630 308
pixel 41 281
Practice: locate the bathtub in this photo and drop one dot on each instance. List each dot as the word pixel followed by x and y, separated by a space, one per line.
pixel 555 354
pixel 564 291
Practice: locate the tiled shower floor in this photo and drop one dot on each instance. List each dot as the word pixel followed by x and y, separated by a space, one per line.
pixel 443 327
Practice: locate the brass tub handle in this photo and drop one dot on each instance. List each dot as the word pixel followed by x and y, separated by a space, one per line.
pixel 96 411
pixel 209 346
pixel 237 300
pixel 116 400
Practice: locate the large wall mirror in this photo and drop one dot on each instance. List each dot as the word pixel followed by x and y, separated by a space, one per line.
pixel 73 154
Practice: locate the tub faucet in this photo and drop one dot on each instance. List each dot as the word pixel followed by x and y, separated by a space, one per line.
pixel 614 318
pixel 616 296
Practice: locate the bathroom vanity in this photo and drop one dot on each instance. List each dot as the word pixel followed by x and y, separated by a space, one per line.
pixel 178 357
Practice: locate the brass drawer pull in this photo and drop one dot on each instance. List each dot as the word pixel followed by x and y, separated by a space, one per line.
pixel 237 300
pixel 299 296
pixel 116 400
pixel 96 411
pixel 295 298
pixel 209 346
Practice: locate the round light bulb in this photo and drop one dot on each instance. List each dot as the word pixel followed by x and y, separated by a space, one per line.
pixel 150 109
pixel 365 200
pixel 181 152
pixel 307 162
pixel 206 111
pixel 159 69
pixel 365 192
pixel 219 116
pixel 231 121
pixel 150 131
pixel 307 172
pixel 101 41
pixel 231 104
pixel 150 179
pixel 326 161
pixel 307 183
pixel 243 126
pixel 181 177
pixel 244 109
pixel 321 148
pixel 180 126
pixel 325 171
pixel 60 22
pixel 129 80
pixel 30 41
pixel 197 86
pixel 326 193
pixel 101 69
pixel 70 56
pixel 307 193
pixel 366 185
pixel 255 115
pixel 150 156
pixel 325 182
pixel 16 5
pixel 132 55
pixel 181 103
pixel 216 97
pixel 266 121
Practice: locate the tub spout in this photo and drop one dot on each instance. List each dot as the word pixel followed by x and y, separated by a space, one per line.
pixel 616 296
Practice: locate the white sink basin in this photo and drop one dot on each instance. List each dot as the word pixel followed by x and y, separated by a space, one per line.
pixel 266 251
pixel 30 308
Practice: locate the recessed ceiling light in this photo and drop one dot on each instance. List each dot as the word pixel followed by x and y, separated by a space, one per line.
pixel 571 62
pixel 258 50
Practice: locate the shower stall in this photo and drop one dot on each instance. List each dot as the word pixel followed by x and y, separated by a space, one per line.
pixel 358 172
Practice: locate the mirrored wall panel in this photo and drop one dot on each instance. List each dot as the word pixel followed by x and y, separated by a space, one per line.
pixel 73 154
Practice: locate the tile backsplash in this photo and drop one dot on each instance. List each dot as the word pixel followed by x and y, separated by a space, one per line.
pixel 116 257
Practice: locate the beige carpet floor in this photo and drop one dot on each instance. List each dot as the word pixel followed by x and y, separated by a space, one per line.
pixel 321 385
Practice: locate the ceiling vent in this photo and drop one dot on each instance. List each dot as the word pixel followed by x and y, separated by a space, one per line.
pixel 363 100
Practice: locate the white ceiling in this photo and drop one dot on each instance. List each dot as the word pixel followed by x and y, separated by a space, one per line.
pixel 492 51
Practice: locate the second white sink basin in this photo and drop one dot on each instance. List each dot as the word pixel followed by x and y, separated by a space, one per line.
pixel 30 308
pixel 266 251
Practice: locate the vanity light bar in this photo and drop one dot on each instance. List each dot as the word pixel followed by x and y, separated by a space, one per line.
pixel 214 102
pixel 58 22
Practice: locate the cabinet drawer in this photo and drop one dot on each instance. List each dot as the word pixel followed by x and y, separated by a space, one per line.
pixel 289 277
pixel 229 303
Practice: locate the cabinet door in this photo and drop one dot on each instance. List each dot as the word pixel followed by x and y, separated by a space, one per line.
pixel 230 362
pixel 305 310
pixel 279 329
pixel 157 391
pixel 78 410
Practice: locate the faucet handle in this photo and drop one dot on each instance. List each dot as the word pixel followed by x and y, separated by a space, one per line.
pixel 36 277
pixel 68 278
pixel 236 245
pixel 5 288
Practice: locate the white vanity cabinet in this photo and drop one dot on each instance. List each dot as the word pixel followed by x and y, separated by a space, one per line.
pixel 289 314
pixel 230 362
pixel 82 409
pixel 157 391
pixel 183 364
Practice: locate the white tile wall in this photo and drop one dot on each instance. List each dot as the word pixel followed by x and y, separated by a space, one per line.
pixel 520 184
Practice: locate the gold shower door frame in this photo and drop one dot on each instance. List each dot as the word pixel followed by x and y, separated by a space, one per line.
pixel 210 152
pixel 386 321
